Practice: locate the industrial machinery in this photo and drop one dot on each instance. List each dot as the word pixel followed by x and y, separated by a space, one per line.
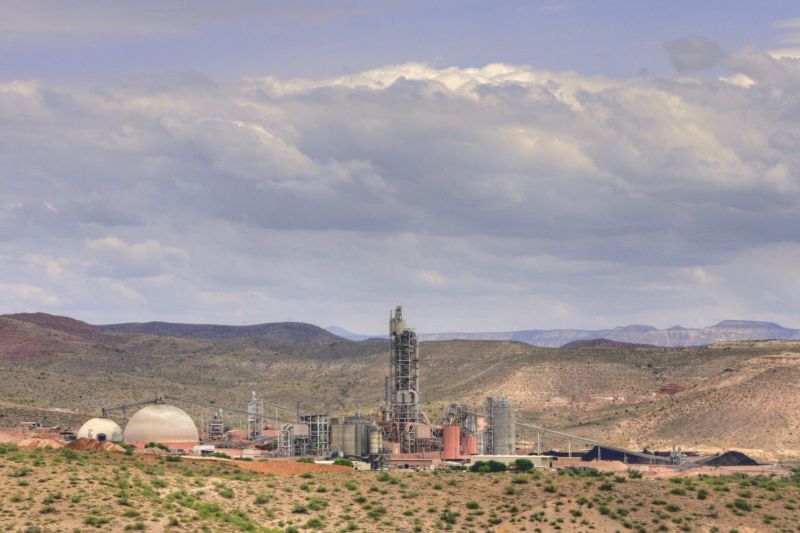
pixel 255 417
pixel 402 384
pixel 401 419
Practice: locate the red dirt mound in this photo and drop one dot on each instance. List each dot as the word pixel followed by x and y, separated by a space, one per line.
pixel 91 445
pixel 37 442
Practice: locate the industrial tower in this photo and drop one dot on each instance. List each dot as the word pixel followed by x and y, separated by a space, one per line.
pixel 402 384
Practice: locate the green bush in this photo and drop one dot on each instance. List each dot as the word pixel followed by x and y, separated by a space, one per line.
pixel 633 473
pixel 488 466
pixel 225 492
pixel 449 516
pixel 306 460
pixel 7 447
pixel 523 465
pixel 156 445
pixel 342 461
pixel 742 505
pixel 220 455
pixel 314 523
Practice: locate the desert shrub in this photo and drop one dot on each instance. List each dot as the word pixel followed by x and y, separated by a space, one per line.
pixel 742 505
pixel 472 505
pixel 633 473
pixel 490 466
pixel 306 460
pixel 376 512
pixel 157 445
pixel 71 455
pixel 96 521
pixel 7 447
pixel 317 504
pixel 225 492
pixel 448 516
pixel 315 523
pixel 220 455
pixel 342 461
pixel 523 465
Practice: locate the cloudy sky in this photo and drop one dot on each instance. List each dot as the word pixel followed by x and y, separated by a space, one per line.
pixel 490 165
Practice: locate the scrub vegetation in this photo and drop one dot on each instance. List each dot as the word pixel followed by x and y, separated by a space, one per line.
pixel 67 491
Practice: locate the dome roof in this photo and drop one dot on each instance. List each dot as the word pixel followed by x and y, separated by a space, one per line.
pixel 96 426
pixel 161 423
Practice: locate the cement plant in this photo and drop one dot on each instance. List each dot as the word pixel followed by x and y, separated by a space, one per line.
pixel 397 434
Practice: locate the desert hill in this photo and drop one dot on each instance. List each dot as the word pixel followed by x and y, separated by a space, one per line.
pixel 286 331
pixel 603 343
pixel 738 394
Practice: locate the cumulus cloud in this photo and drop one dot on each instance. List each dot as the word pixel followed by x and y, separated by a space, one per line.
pixel 542 199
pixel 694 53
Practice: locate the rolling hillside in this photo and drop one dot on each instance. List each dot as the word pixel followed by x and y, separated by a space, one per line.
pixel 742 394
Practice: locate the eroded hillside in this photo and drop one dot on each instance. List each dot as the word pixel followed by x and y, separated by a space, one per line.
pixel 742 395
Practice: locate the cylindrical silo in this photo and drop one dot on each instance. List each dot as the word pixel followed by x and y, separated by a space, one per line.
pixel 375 441
pixel 504 434
pixel 451 442
pixel 349 433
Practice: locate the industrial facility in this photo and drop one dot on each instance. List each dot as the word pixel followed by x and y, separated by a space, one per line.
pixel 396 434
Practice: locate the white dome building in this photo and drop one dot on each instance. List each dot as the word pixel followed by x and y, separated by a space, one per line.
pixel 161 423
pixel 100 429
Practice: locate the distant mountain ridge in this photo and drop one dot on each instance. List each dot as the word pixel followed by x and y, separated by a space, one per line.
pixel 673 337
pixel 286 331
pixel 640 334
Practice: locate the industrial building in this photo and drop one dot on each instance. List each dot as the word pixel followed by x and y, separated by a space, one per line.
pixel 100 429
pixel 164 424
pixel 398 433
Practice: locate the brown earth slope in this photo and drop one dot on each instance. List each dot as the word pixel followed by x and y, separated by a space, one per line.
pixel 735 394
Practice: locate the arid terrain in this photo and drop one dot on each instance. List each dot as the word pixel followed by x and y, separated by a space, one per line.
pixel 67 491
pixel 743 395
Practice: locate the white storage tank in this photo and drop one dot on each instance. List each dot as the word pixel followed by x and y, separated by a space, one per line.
pixel 504 433
pixel 100 429
pixel 162 423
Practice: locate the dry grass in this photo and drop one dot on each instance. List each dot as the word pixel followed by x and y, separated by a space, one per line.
pixel 68 491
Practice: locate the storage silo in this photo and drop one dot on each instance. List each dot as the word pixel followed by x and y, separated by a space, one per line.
pixel 504 433
pixel 451 442
pixel 100 429
pixel 375 441
pixel 165 424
